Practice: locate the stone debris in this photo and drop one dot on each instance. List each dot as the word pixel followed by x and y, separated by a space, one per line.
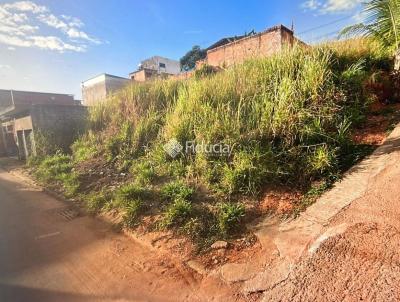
pixel 219 245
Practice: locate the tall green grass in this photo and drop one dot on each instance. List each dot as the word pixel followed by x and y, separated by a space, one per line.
pixel 287 118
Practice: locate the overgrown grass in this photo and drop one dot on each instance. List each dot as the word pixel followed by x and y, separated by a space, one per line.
pixel 57 169
pixel 287 119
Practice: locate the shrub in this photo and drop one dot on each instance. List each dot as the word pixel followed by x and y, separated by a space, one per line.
pixel 229 216
pixel 176 190
pixel 321 160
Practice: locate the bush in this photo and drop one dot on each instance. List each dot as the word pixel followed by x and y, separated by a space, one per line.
pixel 204 71
pixel 229 216
pixel 176 190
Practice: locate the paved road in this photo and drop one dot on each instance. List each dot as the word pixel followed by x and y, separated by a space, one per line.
pixel 48 254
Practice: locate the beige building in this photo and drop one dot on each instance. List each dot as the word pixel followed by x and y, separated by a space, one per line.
pixel 98 88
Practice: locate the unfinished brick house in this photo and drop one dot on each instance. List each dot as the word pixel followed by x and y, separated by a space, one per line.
pixel 25 113
pixel 229 51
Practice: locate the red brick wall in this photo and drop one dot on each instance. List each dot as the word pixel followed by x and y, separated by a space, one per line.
pixel 262 44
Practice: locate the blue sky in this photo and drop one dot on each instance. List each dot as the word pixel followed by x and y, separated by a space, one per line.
pixel 55 45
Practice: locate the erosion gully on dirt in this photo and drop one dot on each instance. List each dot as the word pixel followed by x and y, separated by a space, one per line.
pixel 49 252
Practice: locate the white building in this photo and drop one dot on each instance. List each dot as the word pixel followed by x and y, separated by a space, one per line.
pixel 98 88
pixel 155 66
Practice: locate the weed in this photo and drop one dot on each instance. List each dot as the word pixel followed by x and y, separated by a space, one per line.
pixel 58 168
pixel 85 147
pixel 144 172
pixel 129 193
pixel 176 190
pixel 229 216
pixel 177 213
pixel 132 211
pixel 96 201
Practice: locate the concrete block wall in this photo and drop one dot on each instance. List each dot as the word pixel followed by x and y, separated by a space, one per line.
pixel 64 123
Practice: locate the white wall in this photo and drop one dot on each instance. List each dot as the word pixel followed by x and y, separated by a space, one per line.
pixel 171 66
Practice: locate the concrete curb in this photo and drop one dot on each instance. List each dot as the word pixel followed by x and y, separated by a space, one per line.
pixel 301 237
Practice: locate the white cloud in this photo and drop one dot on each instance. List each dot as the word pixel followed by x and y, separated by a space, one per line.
pixel 5 66
pixel 25 6
pixel 70 31
pixel 11 48
pixel 19 28
pixel 311 5
pixel 331 6
pixel 54 43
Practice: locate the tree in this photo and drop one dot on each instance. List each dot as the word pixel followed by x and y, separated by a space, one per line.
pixel 381 22
pixel 188 61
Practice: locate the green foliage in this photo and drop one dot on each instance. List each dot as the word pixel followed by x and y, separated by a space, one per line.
pixel 322 159
pixel 96 201
pixel 177 213
pixel 44 144
pixel 204 71
pixel 85 147
pixel 129 193
pixel 188 61
pixel 144 172
pixel 229 216
pixel 247 171
pixel 176 190
pixel 132 211
pixel 381 22
pixel 58 168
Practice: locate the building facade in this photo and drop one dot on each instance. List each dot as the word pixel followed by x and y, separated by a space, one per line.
pixel 226 52
pixel 155 67
pixel 24 115
pixel 98 88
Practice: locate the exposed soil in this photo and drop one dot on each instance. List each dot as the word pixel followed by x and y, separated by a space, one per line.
pixel 363 262
pixel 50 255
pixel 379 120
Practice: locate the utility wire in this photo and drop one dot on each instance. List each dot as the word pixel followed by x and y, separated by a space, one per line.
pixel 326 24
